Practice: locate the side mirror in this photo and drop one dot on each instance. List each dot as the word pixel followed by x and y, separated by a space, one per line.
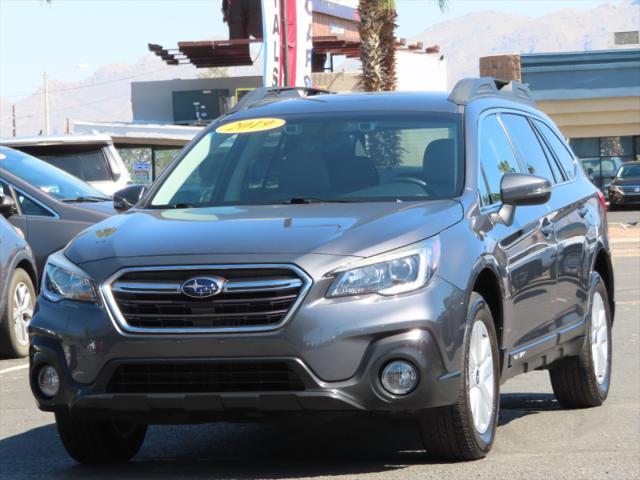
pixel 518 189
pixel 589 171
pixel 8 206
pixel 127 197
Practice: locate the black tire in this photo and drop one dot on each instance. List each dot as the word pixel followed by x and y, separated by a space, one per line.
pixel 449 433
pixel 574 379
pixel 101 441
pixel 10 344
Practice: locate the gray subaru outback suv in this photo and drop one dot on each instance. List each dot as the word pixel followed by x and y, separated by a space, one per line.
pixel 397 254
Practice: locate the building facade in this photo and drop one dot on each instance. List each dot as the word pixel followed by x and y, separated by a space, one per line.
pixel 593 97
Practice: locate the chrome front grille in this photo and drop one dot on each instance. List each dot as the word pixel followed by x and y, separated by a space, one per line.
pixel 252 298
pixel 633 189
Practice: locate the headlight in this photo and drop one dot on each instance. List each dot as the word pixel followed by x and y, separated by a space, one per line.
pixel 615 188
pixel 64 280
pixel 391 273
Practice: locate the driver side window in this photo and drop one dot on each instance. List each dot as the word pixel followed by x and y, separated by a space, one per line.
pixel 496 158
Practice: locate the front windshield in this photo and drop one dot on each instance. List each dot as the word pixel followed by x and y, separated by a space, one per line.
pixel 294 159
pixel 45 177
pixel 628 171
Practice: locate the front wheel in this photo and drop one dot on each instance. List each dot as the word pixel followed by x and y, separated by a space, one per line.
pixel 584 381
pixel 101 441
pixel 466 430
pixel 21 299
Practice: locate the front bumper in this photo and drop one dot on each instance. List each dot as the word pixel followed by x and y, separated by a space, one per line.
pixel 337 349
pixel 617 198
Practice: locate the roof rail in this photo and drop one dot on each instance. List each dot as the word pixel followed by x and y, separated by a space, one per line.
pixel 469 89
pixel 270 94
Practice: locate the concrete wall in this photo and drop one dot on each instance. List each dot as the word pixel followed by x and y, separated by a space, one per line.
pixel 152 102
pixel 420 72
pixel 599 117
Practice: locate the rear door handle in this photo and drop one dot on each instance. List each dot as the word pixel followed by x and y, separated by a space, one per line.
pixel 547 228
pixel 583 210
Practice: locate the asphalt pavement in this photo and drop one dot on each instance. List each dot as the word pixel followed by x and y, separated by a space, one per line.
pixel 536 439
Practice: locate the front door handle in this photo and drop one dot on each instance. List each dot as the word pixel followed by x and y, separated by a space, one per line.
pixel 547 228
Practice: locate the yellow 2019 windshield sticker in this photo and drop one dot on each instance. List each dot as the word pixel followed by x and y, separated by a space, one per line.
pixel 251 125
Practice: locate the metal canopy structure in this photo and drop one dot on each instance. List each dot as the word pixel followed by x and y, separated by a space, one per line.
pixel 235 53
pixel 207 53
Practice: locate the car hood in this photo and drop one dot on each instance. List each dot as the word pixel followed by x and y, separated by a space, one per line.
pixel 355 229
pixel 626 181
pixel 103 208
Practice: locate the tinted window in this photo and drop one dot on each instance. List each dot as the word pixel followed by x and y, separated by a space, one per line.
pixel 29 207
pixel 496 158
pixel 45 177
pixel 89 166
pixel 560 149
pixel 528 145
pixel 350 158
pixel 629 171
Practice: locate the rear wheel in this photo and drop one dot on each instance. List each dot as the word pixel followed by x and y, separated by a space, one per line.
pixel 21 299
pixel 99 441
pixel 466 430
pixel 584 381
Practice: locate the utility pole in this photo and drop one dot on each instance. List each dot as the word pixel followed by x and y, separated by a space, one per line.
pixel 13 119
pixel 285 43
pixel 46 104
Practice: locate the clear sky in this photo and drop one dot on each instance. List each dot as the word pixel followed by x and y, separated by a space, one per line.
pixel 37 36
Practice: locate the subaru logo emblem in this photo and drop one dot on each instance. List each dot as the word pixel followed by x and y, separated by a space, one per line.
pixel 202 287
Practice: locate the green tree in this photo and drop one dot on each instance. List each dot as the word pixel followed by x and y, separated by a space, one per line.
pixel 377 43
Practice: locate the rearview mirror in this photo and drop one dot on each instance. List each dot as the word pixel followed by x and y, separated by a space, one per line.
pixel 127 197
pixel 520 189
pixel 8 206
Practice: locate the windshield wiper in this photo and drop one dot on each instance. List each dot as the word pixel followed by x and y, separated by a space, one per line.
pixel 308 200
pixel 87 198
pixel 168 206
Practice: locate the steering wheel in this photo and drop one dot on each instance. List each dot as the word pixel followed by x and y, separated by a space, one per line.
pixel 417 181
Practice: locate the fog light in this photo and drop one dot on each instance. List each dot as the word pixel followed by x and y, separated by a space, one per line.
pixel 399 377
pixel 48 381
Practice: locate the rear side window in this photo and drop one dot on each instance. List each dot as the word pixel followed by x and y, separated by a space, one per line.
pixel 563 155
pixel 528 145
pixel 29 207
pixel 496 158
pixel 88 166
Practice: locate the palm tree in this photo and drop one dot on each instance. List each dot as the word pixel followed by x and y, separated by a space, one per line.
pixel 377 43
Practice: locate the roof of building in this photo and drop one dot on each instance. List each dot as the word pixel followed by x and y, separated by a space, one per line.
pixel 87 138
pixel 336 10
pixel 582 75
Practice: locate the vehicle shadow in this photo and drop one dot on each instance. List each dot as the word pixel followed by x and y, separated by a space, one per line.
pixel 276 449
pixel 518 405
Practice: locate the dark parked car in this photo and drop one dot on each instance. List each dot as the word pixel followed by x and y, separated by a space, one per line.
pixel 601 171
pixel 48 205
pixel 17 290
pixel 369 253
pixel 625 186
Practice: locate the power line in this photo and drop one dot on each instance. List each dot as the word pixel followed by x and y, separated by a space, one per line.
pixel 97 84
pixel 73 106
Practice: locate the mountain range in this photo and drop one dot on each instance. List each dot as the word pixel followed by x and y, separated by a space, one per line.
pixel 105 95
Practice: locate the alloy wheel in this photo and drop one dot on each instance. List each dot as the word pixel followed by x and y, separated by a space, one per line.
pixel 481 381
pixel 22 312
pixel 599 338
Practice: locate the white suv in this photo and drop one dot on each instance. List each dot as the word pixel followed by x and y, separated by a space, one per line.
pixel 92 158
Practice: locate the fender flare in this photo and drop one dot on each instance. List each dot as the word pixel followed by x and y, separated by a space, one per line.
pixel 602 248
